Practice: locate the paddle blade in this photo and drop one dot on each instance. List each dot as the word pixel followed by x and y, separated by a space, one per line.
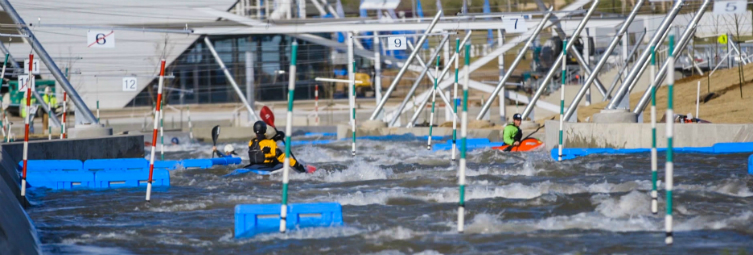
pixel 215 134
pixel 310 169
pixel 267 116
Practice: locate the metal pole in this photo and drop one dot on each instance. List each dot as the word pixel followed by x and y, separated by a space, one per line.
pixel 664 68
pixel 377 68
pixel 655 40
pixel 417 82
pixel 405 66
pixel 455 99
pixel 501 67
pixel 433 101
pixel 229 77
pixel 250 79
pixel 632 52
pixel 602 62
pixel 560 58
pixel 59 76
pixel 520 56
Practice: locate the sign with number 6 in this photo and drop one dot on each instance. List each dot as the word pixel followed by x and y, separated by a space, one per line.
pixel 130 84
pixel 100 39
pixel 396 43
pixel 729 7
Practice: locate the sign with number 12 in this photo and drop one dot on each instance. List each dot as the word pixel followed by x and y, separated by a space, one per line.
pixel 130 84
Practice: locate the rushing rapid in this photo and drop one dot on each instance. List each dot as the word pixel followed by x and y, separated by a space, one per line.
pixel 399 198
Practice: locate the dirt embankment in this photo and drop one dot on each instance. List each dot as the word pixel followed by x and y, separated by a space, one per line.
pixel 723 106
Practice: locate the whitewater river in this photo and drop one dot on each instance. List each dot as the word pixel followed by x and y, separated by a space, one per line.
pixel 399 198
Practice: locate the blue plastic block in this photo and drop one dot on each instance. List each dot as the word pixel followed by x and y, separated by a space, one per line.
pixel 166 164
pixel 219 161
pixel 254 219
pixel 51 165
pixel 120 164
pixel 66 180
pixel 130 178
pixel 320 134
pixel 733 147
pixel 311 142
pixel 197 163
pixel 750 164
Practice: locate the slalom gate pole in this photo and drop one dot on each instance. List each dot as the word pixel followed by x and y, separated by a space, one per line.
pixel 29 83
pixel 654 164
pixel 433 102
pixel 154 132
pixel 463 144
pixel 97 110
pixel 288 131
pixel 190 126
pixel 455 101
pixel 669 167
pixel 698 100
pixel 562 98
pixel 353 108
pixel 316 104
pixel 63 130
pixel 5 123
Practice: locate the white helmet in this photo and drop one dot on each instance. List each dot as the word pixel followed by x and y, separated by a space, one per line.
pixel 47 90
pixel 229 149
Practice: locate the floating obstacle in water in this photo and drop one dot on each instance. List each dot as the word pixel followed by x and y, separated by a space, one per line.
pixel 109 173
pixel 719 148
pixel 471 144
pixel 251 220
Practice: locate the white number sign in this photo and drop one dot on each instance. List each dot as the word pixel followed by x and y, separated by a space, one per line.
pixel 379 4
pixel 396 43
pixel 23 81
pixel 129 84
pixel 100 39
pixel 34 67
pixel 729 7
pixel 514 24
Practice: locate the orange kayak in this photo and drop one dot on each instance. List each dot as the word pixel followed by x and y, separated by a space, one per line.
pixel 529 144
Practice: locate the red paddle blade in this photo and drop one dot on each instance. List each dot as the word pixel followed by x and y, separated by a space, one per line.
pixel 267 116
pixel 310 169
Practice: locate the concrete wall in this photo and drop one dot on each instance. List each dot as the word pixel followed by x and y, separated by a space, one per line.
pixel 638 135
pixel 17 234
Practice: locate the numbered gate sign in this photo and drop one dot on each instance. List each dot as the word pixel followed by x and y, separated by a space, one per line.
pixel 129 84
pixel 514 24
pixel 34 67
pixel 729 7
pixel 396 43
pixel 100 39
pixel 23 81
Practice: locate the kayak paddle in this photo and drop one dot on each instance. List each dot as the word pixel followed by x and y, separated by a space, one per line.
pixel 215 135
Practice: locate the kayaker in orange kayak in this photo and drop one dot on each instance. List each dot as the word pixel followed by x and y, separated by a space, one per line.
pixel 512 134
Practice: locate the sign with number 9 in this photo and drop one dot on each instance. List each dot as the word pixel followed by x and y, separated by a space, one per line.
pixel 396 43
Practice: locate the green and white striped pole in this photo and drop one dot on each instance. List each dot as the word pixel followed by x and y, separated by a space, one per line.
pixel 562 98
pixel 669 167
pixel 455 101
pixel 654 164
pixel 353 109
pixel 288 131
pixel 433 102
pixel 463 134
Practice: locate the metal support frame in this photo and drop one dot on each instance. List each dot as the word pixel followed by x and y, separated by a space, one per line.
pixel 655 41
pixel 418 80
pixel 444 72
pixel 514 64
pixel 230 78
pixel 603 60
pixel 684 40
pixel 550 74
pixel 617 78
pixel 441 75
pixel 578 57
pixel 59 76
pixel 404 68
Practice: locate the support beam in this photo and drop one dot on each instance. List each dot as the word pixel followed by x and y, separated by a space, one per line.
pixel 632 52
pixel 655 41
pixel 230 78
pixel 42 53
pixel 684 40
pixel 603 60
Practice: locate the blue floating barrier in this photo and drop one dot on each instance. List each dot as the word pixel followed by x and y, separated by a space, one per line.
pixel 255 219
pixel 118 164
pixel 131 178
pixel 219 161
pixel 61 180
pixel 470 144
pixel 51 165
pixel 166 164
pixel 750 164
pixel 197 163
pixel 320 134
pixel 234 160
pixel 311 142
pixel 733 147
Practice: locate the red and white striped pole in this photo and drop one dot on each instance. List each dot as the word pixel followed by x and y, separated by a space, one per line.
pixel 29 83
pixel 316 104
pixel 63 131
pixel 157 114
